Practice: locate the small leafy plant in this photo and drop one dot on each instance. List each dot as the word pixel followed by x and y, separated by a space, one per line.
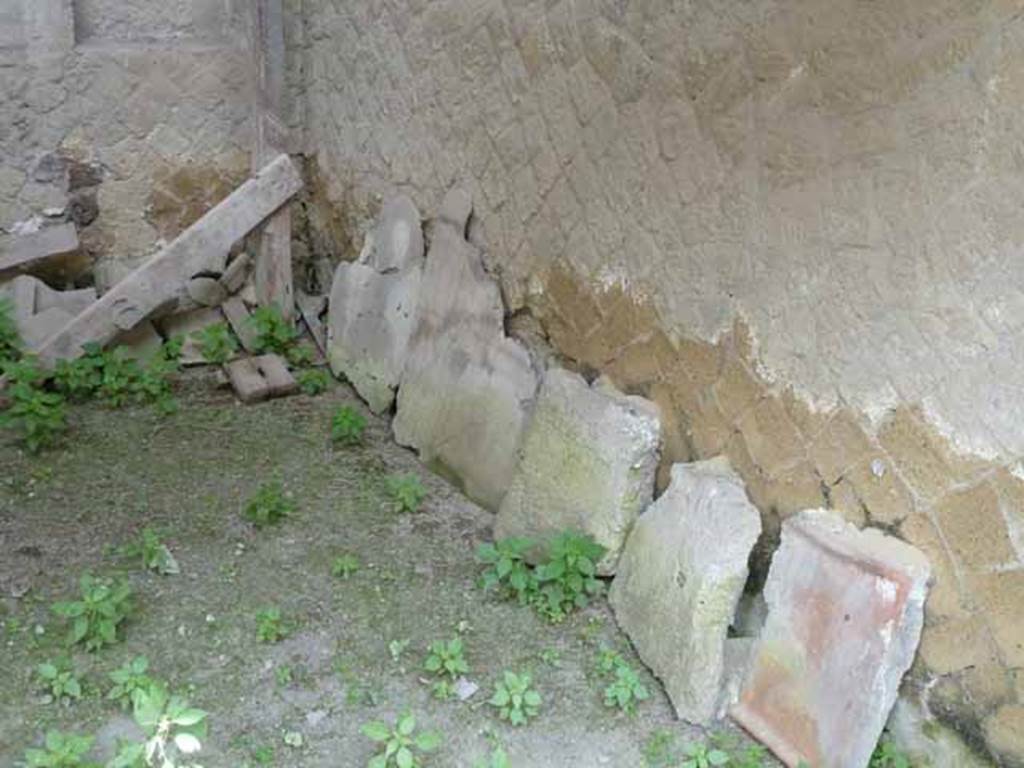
pixel 396 648
pixel 81 378
pixel 568 579
pixel 446 661
pixel 400 746
pixel 515 700
pixel 498 757
pixel 96 617
pixel 173 731
pixel 58 677
pixel 348 426
pixel 406 492
pixel 507 568
pixel 345 565
pixel 888 755
pixel 10 339
pixel 313 381
pixel 625 690
pixel 269 506
pixel 273 332
pixel 39 416
pixel 152 552
pixel 703 756
pixel 129 678
pixel 270 626
pixel 216 343
pixel 60 750
pixel 659 749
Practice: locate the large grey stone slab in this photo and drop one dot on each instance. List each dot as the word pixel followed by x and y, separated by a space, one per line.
pixel 680 578
pixel 373 306
pixel 587 464
pixel 40 312
pixel 845 610
pixel 466 389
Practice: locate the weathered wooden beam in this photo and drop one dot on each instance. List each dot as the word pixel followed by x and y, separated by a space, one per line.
pixel 23 251
pixel 272 274
pixel 158 281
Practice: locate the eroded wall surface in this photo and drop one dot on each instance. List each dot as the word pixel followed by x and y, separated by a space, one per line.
pixel 797 226
pixel 129 117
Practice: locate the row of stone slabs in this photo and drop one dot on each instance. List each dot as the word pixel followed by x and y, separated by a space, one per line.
pixel 844 606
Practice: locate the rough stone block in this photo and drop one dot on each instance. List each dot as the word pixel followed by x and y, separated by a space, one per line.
pixel 587 464
pixel 247 381
pixel 25 251
pixel 845 611
pixel 466 389
pixel 680 578
pixel 40 312
pixel 275 373
pixel 1004 732
pixel 373 306
pixel 237 315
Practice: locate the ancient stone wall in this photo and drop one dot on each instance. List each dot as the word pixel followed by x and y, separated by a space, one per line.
pixel 131 118
pixel 796 226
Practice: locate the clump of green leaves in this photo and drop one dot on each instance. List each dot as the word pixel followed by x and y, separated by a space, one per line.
pixel 117 378
pixel 888 755
pixel 507 568
pixel 271 626
pixel 400 745
pixel 274 333
pixel 173 731
pixel 406 492
pixel 58 677
pixel 348 426
pixel 446 661
pixel 568 579
pixel 625 690
pixel 345 565
pixel 269 506
pixel 498 757
pixel 96 617
pixel 703 756
pixel 515 700
pixel 39 416
pixel 750 756
pixel 152 552
pixel 565 580
pixel 313 381
pixel 10 339
pixel 129 678
pixel 60 750
pixel 217 344
pixel 659 749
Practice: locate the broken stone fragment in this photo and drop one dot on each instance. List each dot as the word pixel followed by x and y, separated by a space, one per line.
pixel 260 378
pixel 141 342
pixel 845 610
pixel 587 464
pixel 466 389
pixel 679 581
pixel 40 312
pixel 373 305
pixel 206 291
pixel 25 251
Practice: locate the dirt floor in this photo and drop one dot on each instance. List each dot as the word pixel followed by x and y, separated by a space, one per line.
pixel 65 512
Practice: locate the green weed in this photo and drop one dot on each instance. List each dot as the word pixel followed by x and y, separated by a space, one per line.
pixel 273 332
pixel 348 426
pixel 515 700
pixel 152 553
pixel 173 731
pixel 37 415
pixel 271 627
pixel 406 492
pixel 129 678
pixel 313 381
pixel 446 661
pixel 625 690
pixel 217 344
pixel 58 678
pixel 345 565
pixel 269 506
pixel 10 339
pixel 60 750
pixel 96 617
pixel 400 746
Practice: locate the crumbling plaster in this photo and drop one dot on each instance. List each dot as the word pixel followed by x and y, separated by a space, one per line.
pixel 152 101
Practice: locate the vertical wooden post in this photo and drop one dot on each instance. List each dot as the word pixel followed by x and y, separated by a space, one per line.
pixel 273 266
